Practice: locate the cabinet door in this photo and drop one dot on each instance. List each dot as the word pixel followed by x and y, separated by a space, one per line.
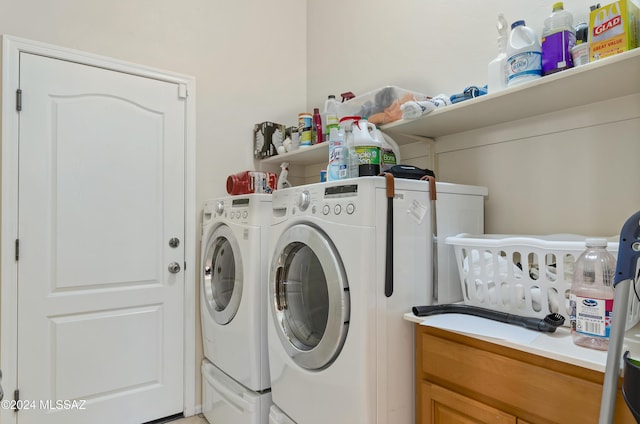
pixel 442 406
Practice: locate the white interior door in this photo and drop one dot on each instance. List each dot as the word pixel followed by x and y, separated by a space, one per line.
pixel 101 193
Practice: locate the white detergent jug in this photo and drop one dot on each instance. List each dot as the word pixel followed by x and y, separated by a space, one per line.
pixel 367 148
pixel 524 54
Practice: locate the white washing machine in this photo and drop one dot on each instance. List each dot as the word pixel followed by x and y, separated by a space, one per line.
pixel 339 348
pixel 233 303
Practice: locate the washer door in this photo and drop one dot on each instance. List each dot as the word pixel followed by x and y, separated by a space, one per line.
pixel 310 297
pixel 222 275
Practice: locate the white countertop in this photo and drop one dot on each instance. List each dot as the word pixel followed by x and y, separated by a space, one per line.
pixel 558 345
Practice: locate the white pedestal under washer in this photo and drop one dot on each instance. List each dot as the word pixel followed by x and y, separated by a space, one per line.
pixel 233 303
pixel 339 348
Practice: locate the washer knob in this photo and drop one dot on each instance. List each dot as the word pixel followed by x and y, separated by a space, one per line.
pixel 304 198
pixel 219 207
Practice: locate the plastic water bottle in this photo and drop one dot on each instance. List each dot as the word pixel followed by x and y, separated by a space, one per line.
pixel 497 68
pixel 591 298
pixel 558 38
pixel 524 55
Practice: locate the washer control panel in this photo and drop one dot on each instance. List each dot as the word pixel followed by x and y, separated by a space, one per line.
pixel 330 201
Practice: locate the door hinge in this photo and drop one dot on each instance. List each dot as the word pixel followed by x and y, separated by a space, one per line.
pixel 16 398
pixel 182 91
pixel 17 249
pixel 18 99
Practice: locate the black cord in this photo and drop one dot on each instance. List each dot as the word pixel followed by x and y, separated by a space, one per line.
pixel 634 285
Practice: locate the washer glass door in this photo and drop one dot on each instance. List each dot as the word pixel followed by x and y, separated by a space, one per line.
pixel 222 275
pixel 310 296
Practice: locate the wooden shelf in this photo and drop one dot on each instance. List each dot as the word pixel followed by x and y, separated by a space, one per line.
pixel 608 78
pixel 318 153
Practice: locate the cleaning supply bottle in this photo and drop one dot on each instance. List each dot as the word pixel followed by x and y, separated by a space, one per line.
pixel 283 182
pixel 580 52
pixel 367 148
pixel 338 168
pixel 329 115
pixel 248 182
pixel 317 126
pixel 591 296
pixel 346 124
pixel 558 38
pixel 498 67
pixel 524 54
pixel 389 151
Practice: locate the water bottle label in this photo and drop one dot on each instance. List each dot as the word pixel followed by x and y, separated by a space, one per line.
pixel 592 316
pixel 556 51
pixel 525 64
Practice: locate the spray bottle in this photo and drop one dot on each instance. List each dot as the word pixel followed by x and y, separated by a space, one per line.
pixel 338 167
pixel 498 75
pixel 283 182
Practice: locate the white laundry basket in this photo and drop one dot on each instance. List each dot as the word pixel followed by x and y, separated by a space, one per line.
pixel 524 275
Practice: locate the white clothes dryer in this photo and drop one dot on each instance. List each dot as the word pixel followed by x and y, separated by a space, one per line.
pixel 276 416
pixel 339 348
pixel 233 300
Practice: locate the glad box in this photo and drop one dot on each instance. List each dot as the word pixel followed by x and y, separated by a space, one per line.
pixel 614 29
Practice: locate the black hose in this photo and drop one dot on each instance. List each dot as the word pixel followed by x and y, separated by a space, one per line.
pixel 547 324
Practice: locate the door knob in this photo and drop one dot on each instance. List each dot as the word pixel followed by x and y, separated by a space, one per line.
pixel 174 267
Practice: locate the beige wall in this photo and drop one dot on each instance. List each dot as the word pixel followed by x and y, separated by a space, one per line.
pixel 574 172
pixel 566 172
pixel 247 57
pixel 256 61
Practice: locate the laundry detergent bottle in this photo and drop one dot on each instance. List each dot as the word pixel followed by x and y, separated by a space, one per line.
pixel 558 38
pixel 367 148
pixel 524 54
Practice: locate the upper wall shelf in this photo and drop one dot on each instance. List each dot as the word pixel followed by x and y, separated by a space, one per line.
pixel 318 153
pixel 607 78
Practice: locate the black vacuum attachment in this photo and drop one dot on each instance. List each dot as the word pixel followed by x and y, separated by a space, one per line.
pixel 631 385
pixel 548 324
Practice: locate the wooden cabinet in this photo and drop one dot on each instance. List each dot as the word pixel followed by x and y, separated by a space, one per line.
pixel 461 379
pixel 442 406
